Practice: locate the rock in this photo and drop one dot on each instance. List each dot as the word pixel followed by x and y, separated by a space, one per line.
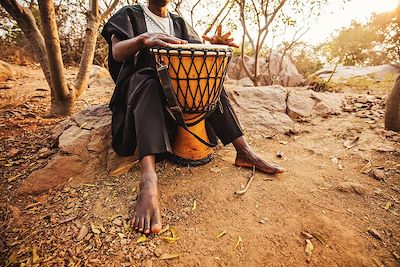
pixel 351 187
pixel 100 76
pixel 278 71
pixel 84 151
pixel 15 215
pixel 7 71
pixel 378 174
pixel 13 152
pixel 392 114
pixel 373 73
pixel 373 232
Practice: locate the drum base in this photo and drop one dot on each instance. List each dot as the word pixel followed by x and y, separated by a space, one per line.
pixel 190 162
pixel 187 150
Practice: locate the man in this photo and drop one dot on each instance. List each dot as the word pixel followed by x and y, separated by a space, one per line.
pixel 139 118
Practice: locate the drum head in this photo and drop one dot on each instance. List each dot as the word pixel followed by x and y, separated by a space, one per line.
pixel 196 49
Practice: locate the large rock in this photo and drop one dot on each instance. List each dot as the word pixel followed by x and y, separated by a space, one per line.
pixel 277 108
pixel 374 73
pixel 7 72
pixel 100 76
pixel 278 70
pixel 84 152
pixel 392 114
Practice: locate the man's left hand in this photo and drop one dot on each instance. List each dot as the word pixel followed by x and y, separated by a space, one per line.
pixel 220 38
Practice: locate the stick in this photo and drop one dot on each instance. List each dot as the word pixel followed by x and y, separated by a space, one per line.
pixel 241 192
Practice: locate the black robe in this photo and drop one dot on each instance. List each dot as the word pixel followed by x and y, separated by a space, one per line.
pixel 132 77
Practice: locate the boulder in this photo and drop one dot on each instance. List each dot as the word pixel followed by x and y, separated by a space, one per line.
pixel 100 76
pixel 392 114
pixel 7 71
pixel 373 73
pixel 278 70
pixel 84 152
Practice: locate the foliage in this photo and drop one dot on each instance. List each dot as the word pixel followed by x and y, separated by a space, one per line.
pixel 372 43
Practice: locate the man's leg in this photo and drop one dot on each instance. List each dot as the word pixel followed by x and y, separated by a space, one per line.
pixel 152 139
pixel 226 126
pixel 147 218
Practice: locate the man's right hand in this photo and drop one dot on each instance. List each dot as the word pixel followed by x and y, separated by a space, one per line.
pixel 160 39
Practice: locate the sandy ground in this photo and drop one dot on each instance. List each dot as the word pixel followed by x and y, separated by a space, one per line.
pixel 324 211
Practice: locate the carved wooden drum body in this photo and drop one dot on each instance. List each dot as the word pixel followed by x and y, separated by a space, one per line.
pixel 196 73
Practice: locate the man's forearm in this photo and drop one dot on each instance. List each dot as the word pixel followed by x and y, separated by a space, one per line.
pixel 122 50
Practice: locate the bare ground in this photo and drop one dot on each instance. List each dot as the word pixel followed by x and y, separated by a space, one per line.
pixel 349 218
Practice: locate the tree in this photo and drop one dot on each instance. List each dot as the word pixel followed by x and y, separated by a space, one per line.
pixel 269 16
pixel 372 43
pixel 47 48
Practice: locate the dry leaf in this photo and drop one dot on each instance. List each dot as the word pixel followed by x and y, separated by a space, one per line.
pixel 122 168
pixel 141 239
pixel 173 232
pixel 388 205
pixel 82 233
pixel 167 256
pixel 309 249
pixel 115 216
pixel 94 229
pixel 337 162
pixel 215 170
pixel 238 242
pixel 13 259
pixel 194 205
pixel 35 256
pixel 351 143
pixel 221 234
pixel 89 185
pixel 367 167
pixel 166 228
pixel 319 238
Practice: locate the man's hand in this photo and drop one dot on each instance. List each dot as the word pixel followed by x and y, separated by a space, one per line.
pixel 160 39
pixel 221 39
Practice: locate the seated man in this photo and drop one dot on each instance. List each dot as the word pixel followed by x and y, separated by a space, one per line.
pixel 139 118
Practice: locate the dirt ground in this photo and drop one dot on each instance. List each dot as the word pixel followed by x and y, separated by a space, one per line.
pixel 327 209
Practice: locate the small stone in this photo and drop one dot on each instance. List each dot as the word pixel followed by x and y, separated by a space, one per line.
pixel 374 233
pixel 44 153
pixel 13 152
pixel 350 187
pixel 378 174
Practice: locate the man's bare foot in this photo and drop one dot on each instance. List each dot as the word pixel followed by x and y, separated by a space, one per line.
pixel 246 157
pixel 147 218
pixel 251 159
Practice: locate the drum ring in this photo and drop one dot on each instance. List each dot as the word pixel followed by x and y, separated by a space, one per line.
pixel 189 162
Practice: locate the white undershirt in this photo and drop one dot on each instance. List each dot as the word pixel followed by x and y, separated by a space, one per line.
pixel 156 24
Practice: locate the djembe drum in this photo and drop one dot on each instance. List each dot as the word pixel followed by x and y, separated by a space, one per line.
pixel 192 75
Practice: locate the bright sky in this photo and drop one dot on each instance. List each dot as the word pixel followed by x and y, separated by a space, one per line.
pixel 338 15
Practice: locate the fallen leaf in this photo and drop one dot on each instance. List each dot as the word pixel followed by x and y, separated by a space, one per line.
pixel 166 228
pixel 306 235
pixel 194 205
pixel 94 229
pixel 123 168
pixel 337 162
pixel 82 233
pixel 13 259
pixel 13 178
pixel 115 216
pixel 367 167
pixel 167 256
pixel 141 239
pixel 215 170
pixel 221 234
pixel 35 256
pixel 89 185
pixel 309 249
pixel 173 232
pixel 351 143
pixel 388 205
pixel 238 242
pixel 319 238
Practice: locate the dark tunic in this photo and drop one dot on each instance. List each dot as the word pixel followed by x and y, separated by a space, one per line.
pixel 139 119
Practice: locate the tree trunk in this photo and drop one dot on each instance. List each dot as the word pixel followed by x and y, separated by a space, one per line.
pixel 392 114
pixel 62 97
pixel 82 79
pixel 27 23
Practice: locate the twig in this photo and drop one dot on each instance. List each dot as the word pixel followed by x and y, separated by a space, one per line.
pixel 67 219
pixel 241 192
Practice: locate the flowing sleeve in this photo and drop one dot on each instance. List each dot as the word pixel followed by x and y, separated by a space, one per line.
pixel 120 25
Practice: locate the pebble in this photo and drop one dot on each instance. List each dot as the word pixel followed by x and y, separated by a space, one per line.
pixel 373 232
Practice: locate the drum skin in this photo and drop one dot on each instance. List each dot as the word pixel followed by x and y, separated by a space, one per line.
pixel 196 77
